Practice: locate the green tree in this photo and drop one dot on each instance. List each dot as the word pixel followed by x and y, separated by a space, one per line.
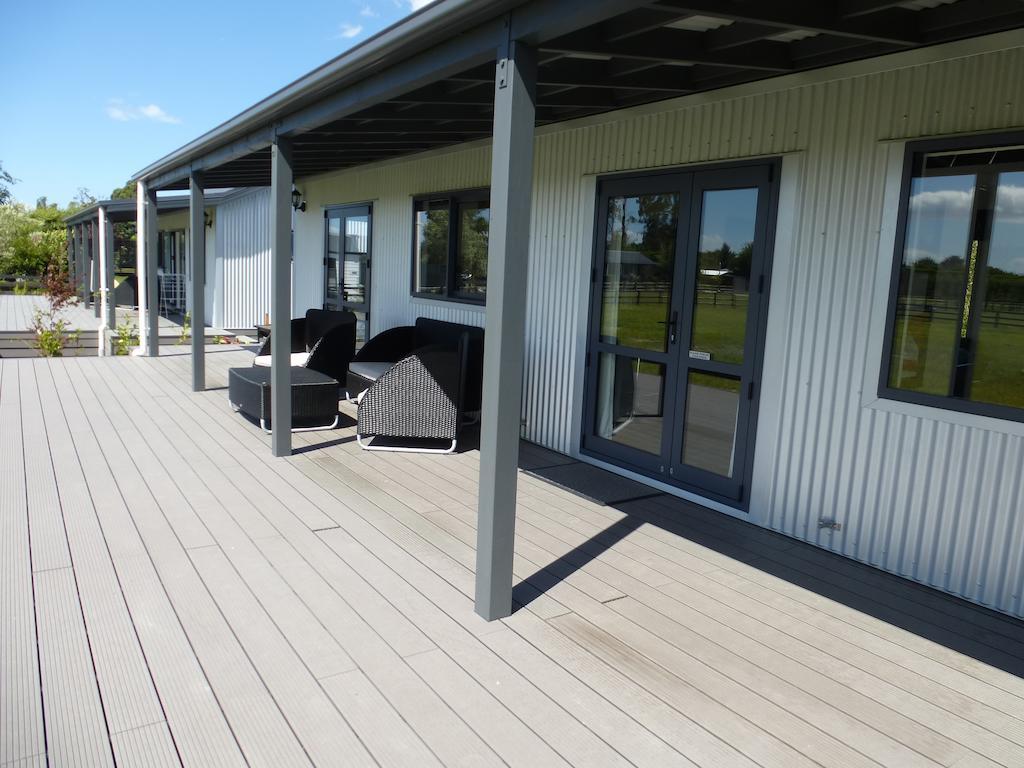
pixel 6 181
pixel 124 192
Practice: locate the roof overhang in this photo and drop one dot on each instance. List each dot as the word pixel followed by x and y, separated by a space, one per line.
pixel 124 209
pixel 428 81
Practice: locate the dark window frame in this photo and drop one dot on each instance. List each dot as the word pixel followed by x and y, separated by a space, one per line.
pixel 453 198
pixel 885 391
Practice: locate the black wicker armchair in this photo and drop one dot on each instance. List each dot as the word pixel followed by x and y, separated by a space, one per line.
pixel 324 340
pixel 417 382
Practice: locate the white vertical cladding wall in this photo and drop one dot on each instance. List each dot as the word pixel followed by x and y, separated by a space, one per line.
pixel 936 500
pixel 243 259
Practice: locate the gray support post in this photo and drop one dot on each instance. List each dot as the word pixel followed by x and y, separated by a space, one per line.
pixel 71 253
pixel 97 267
pixel 82 273
pixel 108 262
pixel 281 296
pixel 507 253
pixel 197 233
pixel 152 329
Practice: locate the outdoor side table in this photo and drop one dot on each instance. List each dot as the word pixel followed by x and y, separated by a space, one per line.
pixel 314 397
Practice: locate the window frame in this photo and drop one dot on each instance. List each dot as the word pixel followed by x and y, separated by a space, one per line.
pixel 454 198
pixel 885 391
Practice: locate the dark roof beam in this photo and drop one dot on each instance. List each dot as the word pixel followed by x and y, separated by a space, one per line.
pixel 897 26
pixel 674 46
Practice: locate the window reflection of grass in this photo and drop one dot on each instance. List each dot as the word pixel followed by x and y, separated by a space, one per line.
pixel 722 328
pixel 998 375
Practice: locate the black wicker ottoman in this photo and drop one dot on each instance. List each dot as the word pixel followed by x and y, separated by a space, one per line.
pixel 314 397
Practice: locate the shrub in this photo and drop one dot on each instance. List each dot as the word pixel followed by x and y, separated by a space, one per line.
pixel 51 329
pixel 125 337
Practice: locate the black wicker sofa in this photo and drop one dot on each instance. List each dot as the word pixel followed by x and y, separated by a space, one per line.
pixel 417 382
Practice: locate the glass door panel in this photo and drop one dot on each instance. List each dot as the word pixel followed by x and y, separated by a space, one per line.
pixel 332 296
pixel 722 297
pixel 347 263
pixel 709 429
pixel 630 402
pixel 634 322
pixel 639 260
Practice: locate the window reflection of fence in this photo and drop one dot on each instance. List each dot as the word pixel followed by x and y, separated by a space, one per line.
pixel 661 293
pixel 994 315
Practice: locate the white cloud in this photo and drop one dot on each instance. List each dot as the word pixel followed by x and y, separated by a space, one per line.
pixel 711 242
pixel 946 202
pixel 348 31
pixel 368 12
pixel 1010 203
pixel 417 4
pixel 118 109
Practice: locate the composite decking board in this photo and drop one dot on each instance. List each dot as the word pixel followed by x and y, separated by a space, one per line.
pixel 260 728
pixel 471 656
pixel 369 564
pixel 829 717
pixel 198 726
pixel 318 724
pixel 881 719
pixel 22 733
pixel 145 747
pixel 391 740
pixel 845 759
pixel 46 521
pixel 76 729
pixel 884 716
pixel 413 698
pixel 230 519
pixel 423 617
pixel 407 639
pixel 696 609
pixel 328 533
pixel 129 698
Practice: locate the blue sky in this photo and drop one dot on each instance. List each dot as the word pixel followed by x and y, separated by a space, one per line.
pixel 93 92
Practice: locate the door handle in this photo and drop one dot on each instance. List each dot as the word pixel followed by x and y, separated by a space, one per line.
pixel 673 324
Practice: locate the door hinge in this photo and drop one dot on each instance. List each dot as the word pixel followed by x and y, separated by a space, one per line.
pixel 760 283
pixel 750 391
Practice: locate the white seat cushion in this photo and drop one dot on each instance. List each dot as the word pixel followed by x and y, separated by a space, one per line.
pixel 298 360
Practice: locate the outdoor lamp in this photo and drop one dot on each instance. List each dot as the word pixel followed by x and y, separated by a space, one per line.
pixel 297 202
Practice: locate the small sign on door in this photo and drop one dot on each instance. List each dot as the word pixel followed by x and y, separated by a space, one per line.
pixel 698 355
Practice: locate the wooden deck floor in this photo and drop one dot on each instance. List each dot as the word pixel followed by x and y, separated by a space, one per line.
pixel 170 594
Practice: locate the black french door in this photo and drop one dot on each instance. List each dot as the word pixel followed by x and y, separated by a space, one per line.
pixel 677 315
pixel 347 246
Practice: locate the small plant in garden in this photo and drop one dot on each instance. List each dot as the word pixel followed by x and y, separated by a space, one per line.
pixel 186 328
pixel 21 288
pixel 126 336
pixel 51 329
pixel 218 339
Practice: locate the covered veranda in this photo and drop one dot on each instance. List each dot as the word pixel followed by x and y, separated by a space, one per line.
pixel 459 72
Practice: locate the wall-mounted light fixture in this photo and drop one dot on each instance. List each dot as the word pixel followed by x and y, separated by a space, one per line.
pixel 207 219
pixel 297 202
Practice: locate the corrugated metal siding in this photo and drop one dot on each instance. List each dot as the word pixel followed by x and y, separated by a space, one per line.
pixel 243 255
pixel 936 501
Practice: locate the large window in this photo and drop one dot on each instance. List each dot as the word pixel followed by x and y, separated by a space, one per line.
pixel 956 317
pixel 450 246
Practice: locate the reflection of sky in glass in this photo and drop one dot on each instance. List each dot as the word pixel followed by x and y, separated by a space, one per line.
pixel 940 213
pixel 728 217
pixel 1006 251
